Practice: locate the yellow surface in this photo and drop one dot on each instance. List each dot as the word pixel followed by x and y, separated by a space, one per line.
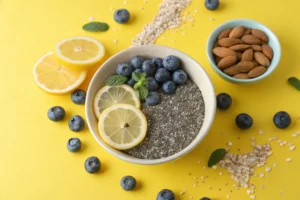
pixel 34 161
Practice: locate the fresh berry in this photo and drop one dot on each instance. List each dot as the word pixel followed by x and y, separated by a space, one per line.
pixel 157 62
pixel 138 71
pixel 212 4
pixel 78 96
pixel 149 68
pixel 131 82
pixel 165 194
pixel 92 164
pixel 162 75
pixel 243 121
pixel 137 62
pixel 171 63
pixel 76 123
pixel 152 84
pixel 179 77
pixel 282 119
pixel 128 183
pixel 223 101
pixel 125 69
pixel 56 113
pixel 205 198
pixel 74 144
pixel 121 16
pixel 153 99
pixel 169 87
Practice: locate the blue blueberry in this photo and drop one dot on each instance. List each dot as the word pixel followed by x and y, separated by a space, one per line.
pixel 152 84
pixel 205 198
pixel 125 69
pixel 282 119
pixel 56 113
pixel 171 63
pixel 223 101
pixel 169 87
pixel 153 99
pixel 128 183
pixel 157 62
pixel 121 16
pixel 92 164
pixel 162 75
pixel 138 71
pixel 74 144
pixel 179 77
pixel 149 68
pixel 131 82
pixel 212 4
pixel 165 194
pixel 137 62
pixel 78 96
pixel 76 123
pixel 244 121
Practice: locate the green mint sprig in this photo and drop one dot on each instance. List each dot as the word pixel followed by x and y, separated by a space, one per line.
pixel 95 26
pixel 139 87
pixel 116 80
pixel 294 82
pixel 216 157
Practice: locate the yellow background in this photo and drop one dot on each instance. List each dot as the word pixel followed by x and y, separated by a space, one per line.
pixel 34 161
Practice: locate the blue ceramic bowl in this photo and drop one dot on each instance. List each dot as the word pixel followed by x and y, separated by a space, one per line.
pixel 273 43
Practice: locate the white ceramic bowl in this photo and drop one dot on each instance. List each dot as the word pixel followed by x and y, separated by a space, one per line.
pixel 194 71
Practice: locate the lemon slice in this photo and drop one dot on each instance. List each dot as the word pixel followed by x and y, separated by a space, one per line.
pixel 122 126
pixel 111 95
pixel 54 78
pixel 79 52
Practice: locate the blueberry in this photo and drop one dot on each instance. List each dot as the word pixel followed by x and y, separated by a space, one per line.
pixel 78 96
pixel 138 71
pixel 223 101
pixel 165 194
pixel 149 68
pixel 76 123
pixel 56 113
pixel 92 165
pixel 74 144
pixel 282 119
pixel 162 75
pixel 169 87
pixel 125 69
pixel 243 121
pixel 171 63
pixel 131 82
pixel 212 4
pixel 153 99
pixel 121 16
pixel 137 62
pixel 157 62
pixel 205 198
pixel 152 85
pixel 128 183
pixel 179 77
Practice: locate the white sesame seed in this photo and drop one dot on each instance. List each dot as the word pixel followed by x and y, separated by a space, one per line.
pixel 191 197
pixel 275 138
pixel 298 132
pixel 294 135
pixel 141 8
pixel 114 29
pixel 269 153
pixel 199 161
pixel 252 197
pixel 261 132
pixel 270 139
pixel 91 18
pixel 221 173
pixel 173 41
pixel 228 197
pixel 202 177
pixel 214 167
pixel 261 175
pixel 195 11
pixel 204 167
pixel 246 186
pixel 281 144
pixel 184 189
pixel 255 175
pixel 183 33
pixel 195 185
pixel 290 144
pixel 145 1
pixel 181 193
pixel 111 8
pixel 115 40
pixel 250 191
pixel 274 165
pixel 267 169
pixel 252 138
pixel 262 187
pixel 211 19
pixel 292 148
pixel 281 192
pixel 278 141
pixel 285 142
pixel 288 160
pixel 195 178
pixel 125 2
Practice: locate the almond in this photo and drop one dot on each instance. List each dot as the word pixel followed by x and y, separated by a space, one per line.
pixel 228 42
pixel 223 52
pixel 240 47
pixel 232 70
pixel 255 63
pixel 241 76
pixel 237 32
pixel 268 51
pixel 257 71
pixel 224 33
pixel 256 47
pixel 260 34
pixel 239 55
pixel 216 44
pixel 245 66
pixel 247 55
pixel 247 31
pixel 227 61
pixel 250 39
pixel 261 59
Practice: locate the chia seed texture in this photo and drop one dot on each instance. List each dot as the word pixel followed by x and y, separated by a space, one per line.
pixel 173 124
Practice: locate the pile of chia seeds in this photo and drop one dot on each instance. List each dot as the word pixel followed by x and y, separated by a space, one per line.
pixel 173 124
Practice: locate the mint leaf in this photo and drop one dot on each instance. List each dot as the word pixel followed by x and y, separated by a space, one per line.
pixel 116 80
pixel 294 82
pixel 138 85
pixel 143 92
pixel 137 92
pixel 143 76
pixel 216 157
pixel 136 76
pixel 96 26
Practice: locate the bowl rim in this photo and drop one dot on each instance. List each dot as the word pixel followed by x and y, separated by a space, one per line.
pixel 131 159
pixel 231 79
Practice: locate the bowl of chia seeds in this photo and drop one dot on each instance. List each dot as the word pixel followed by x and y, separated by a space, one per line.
pixel 177 124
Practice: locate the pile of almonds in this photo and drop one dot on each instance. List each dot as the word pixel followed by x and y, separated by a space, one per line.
pixel 243 52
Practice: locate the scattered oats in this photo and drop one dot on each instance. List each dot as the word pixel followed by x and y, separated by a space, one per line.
pixel 252 197
pixel 191 197
pixel 292 148
pixel 275 138
pixel 125 2
pixel 262 187
pixel 274 165
pixel 267 169
pixel 284 142
pixel 195 178
pixel 204 167
pixel 278 141
pixel 269 153
pixel 221 173
pixel 202 177
pixel 250 191
pixel 281 192
pixel 214 167
pixel 253 143
pixel 237 188
pixel 182 193
pixel 298 132
pixel 229 143
pixel 184 189
pixel 115 40
pixel 290 144
pixel 91 18
pixel 262 175
pixel 261 132
pixel 252 138
pixel 270 139
pixel 246 186
pixel 228 197
pixel 281 144
pixel 294 135
pixel 288 160
pixel 255 175
pixel 195 185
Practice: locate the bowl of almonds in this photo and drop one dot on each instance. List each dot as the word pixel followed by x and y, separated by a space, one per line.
pixel 243 51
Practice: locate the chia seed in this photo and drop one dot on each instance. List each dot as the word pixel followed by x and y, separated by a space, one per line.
pixel 173 124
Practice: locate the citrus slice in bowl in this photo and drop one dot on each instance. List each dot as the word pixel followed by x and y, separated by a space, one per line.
pixel 122 126
pixel 111 95
pixel 80 53
pixel 54 78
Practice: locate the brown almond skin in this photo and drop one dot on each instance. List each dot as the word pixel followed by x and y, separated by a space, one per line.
pixel 247 31
pixel 237 32
pixel 232 70
pixel 240 47
pixel 250 39
pixel 227 61
pixel 256 47
pixel 260 34
pixel 255 63
pixel 245 66
pixel 216 44
pixel 228 42
pixel 257 71
pixel 268 51
pixel 241 76
pixel 261 59
pixel 225 33
pixel 223 52
pixel 247 55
